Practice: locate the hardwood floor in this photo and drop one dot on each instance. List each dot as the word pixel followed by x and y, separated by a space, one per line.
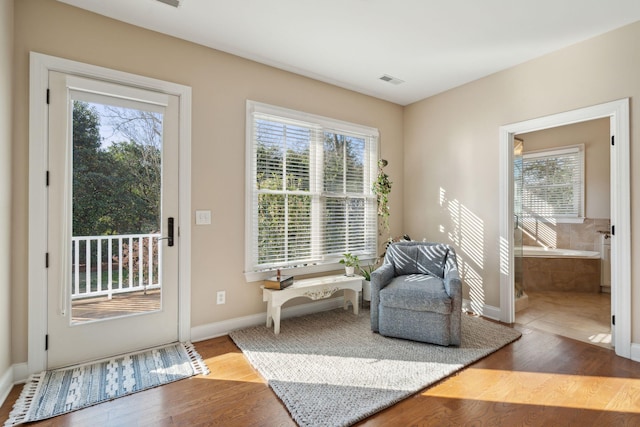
pixel 540 380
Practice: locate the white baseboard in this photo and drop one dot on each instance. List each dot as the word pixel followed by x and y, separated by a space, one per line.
pixel 16 374
pixel 484 310
pixel 635 352
pixel 20 373
pixel 6 384
pixel 217 329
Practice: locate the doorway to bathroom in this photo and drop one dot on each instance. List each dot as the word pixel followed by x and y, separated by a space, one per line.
pixel 617 112
pixel 562 231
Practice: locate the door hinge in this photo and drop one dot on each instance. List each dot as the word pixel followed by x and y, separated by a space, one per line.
pixel 47 96
pixel 613 140
pixel 47 178
pixel 46 260
pixel 46 342
pixel 613 230
pixel 613 320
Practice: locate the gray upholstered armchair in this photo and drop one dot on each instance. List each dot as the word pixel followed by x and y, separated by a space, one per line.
pixel 416 294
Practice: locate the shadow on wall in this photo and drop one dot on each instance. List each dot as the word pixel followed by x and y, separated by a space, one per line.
pixel 465 231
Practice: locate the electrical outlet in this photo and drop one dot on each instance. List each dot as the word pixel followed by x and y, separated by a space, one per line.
pixel 221 297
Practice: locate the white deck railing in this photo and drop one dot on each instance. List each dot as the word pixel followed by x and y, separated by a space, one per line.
pixel 108 265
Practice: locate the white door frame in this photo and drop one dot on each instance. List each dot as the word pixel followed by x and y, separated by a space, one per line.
pixel 618 112
pixel 40 65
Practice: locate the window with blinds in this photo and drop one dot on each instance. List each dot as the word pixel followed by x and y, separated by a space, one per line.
pixel 309 197
pixel 553 183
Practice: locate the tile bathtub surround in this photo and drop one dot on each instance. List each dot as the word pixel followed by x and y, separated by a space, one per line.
pixel 584 236
pixel 561 274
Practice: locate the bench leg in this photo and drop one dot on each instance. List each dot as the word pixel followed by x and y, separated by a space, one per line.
pixel 276 320
pixel 352 297
pixel 269 314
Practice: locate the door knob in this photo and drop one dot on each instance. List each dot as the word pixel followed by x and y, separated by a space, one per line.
pixel 169 237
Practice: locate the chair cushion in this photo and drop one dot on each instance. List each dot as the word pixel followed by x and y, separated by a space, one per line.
pixel 418 258
pixel 405 259
pixel 431 259
pixel 418 292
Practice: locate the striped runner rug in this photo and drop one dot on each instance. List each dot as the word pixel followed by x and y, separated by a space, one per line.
pixel 59 391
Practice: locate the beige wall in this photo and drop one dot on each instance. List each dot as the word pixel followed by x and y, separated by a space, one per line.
pixel 221 84
pixel 6 57
pixel 451 147
pixel 445 175
pixel 595 136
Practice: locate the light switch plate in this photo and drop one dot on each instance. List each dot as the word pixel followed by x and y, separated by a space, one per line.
pixel 203 217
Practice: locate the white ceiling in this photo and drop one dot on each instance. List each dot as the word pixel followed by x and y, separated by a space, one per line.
pixel 433 45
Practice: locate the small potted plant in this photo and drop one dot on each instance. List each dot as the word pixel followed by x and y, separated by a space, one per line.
pixel 366 282
pixel 350 262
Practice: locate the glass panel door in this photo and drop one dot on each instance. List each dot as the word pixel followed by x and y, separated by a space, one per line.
pixel 518 148
pixel 112 204
pixel 117 159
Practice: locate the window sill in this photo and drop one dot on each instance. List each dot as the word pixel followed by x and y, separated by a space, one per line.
pixel 300 271
pixel 552 220
pixel 567 220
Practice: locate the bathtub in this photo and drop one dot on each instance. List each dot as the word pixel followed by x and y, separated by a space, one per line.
pixel 540 252
pixel 560 270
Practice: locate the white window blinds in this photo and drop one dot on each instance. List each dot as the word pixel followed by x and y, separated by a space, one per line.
pixel 309 197
pixel 553 183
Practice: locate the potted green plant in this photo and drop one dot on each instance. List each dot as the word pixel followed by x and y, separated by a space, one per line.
pixel 350 262
pixel 366 282
pixel 381 188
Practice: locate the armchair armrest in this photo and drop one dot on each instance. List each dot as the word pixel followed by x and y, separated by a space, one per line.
pixel 453 287
pixel 379 279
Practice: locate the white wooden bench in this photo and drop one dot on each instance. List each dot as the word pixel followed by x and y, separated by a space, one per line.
pixel 315 289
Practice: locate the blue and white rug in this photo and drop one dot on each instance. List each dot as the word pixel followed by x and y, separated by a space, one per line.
pixel 59 391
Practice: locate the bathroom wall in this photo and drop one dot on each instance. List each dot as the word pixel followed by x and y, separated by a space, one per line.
pixel 594 134
pixel 584 236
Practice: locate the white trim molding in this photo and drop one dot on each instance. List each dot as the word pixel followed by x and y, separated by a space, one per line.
pixel 218 329
pixel 6 384
pixel 635 352
pixel 40 65
pixel 618 114
pixel 488 311
pixel 16 374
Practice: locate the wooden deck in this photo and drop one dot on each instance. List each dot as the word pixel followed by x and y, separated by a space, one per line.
pixel 120 305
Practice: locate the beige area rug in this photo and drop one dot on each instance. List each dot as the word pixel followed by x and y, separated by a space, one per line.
pixel 329 369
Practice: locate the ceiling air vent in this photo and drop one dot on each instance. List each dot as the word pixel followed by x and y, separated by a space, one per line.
pixel 174 3
pixel 393 80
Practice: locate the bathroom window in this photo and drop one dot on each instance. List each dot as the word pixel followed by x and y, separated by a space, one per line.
pixel 553 184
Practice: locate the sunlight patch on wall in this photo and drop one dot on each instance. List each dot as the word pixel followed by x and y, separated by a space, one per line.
pixel 504 256
pixel 476 289
pixel 465 231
